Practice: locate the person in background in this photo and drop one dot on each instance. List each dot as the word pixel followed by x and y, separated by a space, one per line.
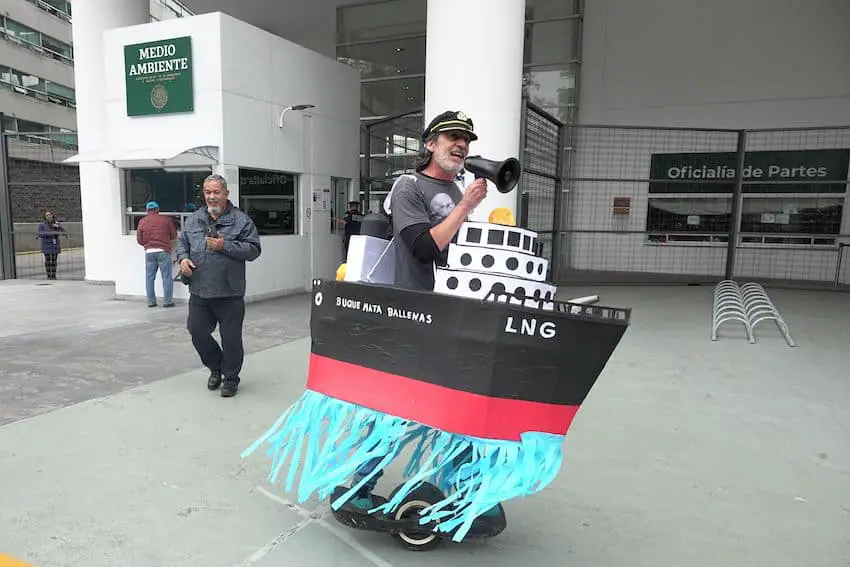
pixel 156 234
pixel 213 248
pixel 352 219
pixel 49 231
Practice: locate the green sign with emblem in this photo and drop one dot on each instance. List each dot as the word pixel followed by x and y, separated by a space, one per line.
pixel 158 77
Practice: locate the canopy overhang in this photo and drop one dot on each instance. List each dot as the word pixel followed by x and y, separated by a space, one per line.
pixel 166 157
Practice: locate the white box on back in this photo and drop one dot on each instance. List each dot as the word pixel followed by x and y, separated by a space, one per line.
pixel 370 259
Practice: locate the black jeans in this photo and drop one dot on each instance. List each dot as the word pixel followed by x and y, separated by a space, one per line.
pixel 228 313
pixel 50 262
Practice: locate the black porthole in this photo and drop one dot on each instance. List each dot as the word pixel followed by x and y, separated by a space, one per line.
pixel 466 259
pixel 487 261
pixel 512 263
pixel 474 284
pixel 451 283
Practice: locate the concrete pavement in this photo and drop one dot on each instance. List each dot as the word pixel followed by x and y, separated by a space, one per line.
pixel 66 342
pixel 687 452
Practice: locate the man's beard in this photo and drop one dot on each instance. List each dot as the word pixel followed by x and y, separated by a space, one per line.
pixel 214 209
pixel 444 161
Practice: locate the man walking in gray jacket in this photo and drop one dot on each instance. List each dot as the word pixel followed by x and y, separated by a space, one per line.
pixel 212 250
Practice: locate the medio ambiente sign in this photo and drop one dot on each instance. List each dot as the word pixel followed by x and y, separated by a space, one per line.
pixel 158 77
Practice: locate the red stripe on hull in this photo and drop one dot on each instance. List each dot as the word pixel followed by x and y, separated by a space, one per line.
pixel 436 406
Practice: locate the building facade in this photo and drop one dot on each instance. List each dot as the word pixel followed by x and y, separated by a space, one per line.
pixel 635 106
pixel 38 102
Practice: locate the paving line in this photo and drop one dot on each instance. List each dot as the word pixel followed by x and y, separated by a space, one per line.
pixel 319 519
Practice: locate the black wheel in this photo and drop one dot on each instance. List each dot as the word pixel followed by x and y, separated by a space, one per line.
pixel 418 499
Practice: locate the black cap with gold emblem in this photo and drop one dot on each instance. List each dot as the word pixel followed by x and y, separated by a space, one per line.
pixel 450 120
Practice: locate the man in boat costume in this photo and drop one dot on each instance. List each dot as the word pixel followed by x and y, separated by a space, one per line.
pixel 484 443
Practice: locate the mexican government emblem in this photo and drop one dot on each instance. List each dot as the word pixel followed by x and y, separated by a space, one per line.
pixel 159 97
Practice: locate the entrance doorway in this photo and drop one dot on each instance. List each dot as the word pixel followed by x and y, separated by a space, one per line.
pixel 340 191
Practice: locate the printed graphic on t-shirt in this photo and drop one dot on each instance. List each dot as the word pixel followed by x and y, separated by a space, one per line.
pixel 441 205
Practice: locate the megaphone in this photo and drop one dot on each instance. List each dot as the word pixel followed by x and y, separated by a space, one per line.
pixel 503 174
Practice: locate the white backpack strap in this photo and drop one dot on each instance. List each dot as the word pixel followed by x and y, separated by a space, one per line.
pixel 388 198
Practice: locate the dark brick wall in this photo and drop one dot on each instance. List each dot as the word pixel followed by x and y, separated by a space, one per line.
pixel 37 186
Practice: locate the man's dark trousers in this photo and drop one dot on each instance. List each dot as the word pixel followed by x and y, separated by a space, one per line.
pixel 228 313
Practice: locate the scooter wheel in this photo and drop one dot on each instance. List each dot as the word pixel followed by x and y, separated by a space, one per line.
pixel 418 499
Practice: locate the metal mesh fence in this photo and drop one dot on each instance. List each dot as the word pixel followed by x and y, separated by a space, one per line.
pixel 663 204
pixel 39 182
pixel 541 170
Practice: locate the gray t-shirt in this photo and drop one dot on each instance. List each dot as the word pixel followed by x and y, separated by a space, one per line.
pixel 417 199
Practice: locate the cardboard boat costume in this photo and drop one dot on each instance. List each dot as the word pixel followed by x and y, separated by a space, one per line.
pixel 488 365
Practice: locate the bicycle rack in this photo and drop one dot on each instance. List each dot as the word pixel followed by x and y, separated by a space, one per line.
pixel 760 308
pixel 729 306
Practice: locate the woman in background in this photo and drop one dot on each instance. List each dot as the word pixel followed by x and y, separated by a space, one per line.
pixel 49 231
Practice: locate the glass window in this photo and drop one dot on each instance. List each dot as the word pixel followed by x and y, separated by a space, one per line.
pixel 28 126
pixel 818 215
pixel 550 42
pixel 385 59
pixel 394 146
pixel 400 145
pixel 61 5
pixel 22 32
pixel 63 137
pixel 696 215
pixel 37 84
pixel 542 9
pixel 767 220
pixel 550 86
pixel 177 9
pixel 269 198
pixel 10 124
pixel 56 46
pixel 384 98
pixel 176 193
pixel 60 91
pixel 25 80
pixel 340 203
pixel 380 20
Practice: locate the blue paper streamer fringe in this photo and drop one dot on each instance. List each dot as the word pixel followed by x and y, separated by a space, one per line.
pixel 489 471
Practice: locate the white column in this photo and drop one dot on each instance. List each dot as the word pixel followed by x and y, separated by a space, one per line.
pixel 474 64
pixel 99 182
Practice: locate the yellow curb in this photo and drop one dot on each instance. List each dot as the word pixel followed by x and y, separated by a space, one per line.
pixel 6 561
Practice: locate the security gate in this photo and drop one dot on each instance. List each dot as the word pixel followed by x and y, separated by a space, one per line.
pixel 33 181
pixel 541 183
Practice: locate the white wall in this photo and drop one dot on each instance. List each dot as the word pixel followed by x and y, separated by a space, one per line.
pixel 201 127
pixel 319 143
pixel 720 64
pixel 724 64
pixel 243 77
